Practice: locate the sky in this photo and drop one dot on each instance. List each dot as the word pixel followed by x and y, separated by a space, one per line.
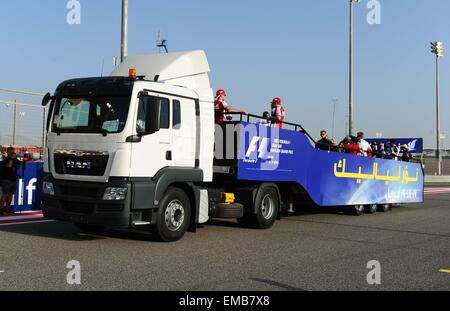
pixel 257 50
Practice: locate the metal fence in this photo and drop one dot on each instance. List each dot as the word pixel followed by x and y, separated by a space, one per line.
pixel 22 120
pixel 431 166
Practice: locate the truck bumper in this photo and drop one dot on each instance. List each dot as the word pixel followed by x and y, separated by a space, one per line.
pixel 82 203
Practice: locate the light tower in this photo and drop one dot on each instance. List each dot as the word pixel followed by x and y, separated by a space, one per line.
pixel 124 39
pixel 350 108
pixel 437 48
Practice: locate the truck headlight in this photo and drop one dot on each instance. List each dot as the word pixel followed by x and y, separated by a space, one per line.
pixel 115 194
pixel 47 188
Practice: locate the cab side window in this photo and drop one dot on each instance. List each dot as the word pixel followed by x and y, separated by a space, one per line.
pixel 164 117
pixel 176 117
pixel 148 110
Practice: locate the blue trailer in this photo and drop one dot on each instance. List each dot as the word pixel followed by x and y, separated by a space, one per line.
pixel 287 158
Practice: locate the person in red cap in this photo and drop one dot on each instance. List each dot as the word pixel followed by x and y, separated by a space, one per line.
pixel 221 106
pixel 277 113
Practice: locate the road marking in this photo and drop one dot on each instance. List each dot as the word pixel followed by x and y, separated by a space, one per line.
pixel 25 223
pixel 429 191
pixel 445 270
pixel 22 218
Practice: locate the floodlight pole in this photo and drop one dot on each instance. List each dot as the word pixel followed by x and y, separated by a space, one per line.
pixel 438 121
pixel 14 124
pixel 124 41
pixel 437 48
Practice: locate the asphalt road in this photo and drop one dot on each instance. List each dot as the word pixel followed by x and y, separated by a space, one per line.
pixel 307 251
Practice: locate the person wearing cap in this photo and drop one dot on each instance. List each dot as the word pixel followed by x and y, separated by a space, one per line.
pixel 278 113
pixel 406 155
pixel 221 106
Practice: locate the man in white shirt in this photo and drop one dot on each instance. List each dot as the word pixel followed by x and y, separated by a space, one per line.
pixel 363 144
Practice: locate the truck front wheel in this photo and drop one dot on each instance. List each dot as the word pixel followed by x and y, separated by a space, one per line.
pixel 173 216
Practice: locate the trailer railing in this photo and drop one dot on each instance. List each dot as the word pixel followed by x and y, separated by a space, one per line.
pixel 248 117
pixel 299 128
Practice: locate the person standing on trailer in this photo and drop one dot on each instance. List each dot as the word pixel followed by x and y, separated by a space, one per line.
pixel 221 107
pixel 278 113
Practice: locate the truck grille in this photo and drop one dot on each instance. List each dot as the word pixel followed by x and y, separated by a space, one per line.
pixel 80 163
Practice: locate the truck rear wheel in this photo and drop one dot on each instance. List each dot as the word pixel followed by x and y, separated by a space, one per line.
pixel 173 216
pixel 267 205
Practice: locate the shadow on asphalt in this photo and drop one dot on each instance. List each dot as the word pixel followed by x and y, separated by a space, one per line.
pixel 232 223
pixel 67 231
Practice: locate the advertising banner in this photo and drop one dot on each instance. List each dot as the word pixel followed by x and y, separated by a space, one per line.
pixel 29 184
pixel 415 145
pixel 330 178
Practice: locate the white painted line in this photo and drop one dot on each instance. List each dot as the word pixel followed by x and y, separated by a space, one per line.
pixel 25 223
pixel 6 218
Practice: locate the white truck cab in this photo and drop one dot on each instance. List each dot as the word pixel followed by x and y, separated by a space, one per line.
pixel 116 144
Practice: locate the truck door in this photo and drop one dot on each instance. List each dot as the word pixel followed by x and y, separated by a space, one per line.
pixel 154 150
pixel 183 132
pixel 173 144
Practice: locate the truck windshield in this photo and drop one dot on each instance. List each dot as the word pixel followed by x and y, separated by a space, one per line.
pixel 90 114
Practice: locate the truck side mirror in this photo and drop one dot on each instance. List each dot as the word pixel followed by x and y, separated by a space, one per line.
pixel 153 112
pixel 46 99
pixel 151 106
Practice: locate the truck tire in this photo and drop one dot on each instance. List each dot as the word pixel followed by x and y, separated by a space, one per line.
pixel 355 210
pixel 89 228
pixel 173 216
pixel 384 208
pixel 267 205
pixel 371 209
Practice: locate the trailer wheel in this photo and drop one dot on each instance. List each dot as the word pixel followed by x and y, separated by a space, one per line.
pixel 371 209
pixel 173 216
pixel 384 208
pixel 89 228
pixel 356 210
pixel 267 205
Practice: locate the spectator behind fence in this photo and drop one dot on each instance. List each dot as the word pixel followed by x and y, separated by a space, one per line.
pixel 8 180
pixel 374 147
pixel 406 155
pixel 351 146
pixel 324 143
pixel 342 143
pixel 265 119
pixel 395 151
pixel 364 144
pixel 388 150
pixel 381 152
